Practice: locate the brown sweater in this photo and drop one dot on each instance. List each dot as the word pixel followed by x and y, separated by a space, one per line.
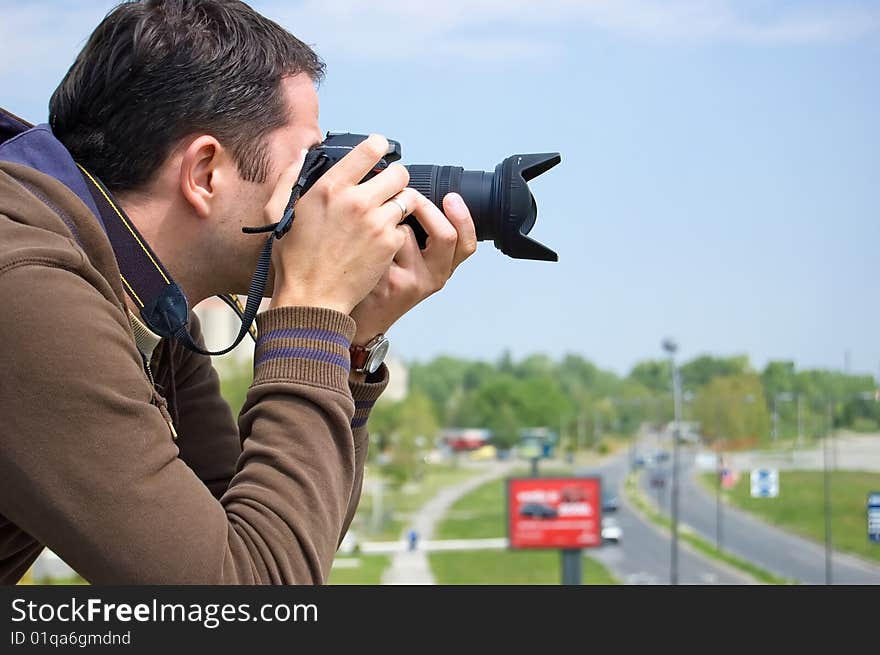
pixel 89 465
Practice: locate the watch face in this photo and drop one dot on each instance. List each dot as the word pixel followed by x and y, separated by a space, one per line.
pixel 377 356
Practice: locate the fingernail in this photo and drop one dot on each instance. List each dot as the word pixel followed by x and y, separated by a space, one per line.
pixel 455 201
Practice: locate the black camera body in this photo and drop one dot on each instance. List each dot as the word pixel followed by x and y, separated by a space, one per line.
pixel 501 204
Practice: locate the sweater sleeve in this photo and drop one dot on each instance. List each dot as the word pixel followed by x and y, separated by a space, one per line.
pixel 208 436
pixel 89 465
pixel 365 394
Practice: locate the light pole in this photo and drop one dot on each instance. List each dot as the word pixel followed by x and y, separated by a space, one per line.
pixel 721 465
pixel 827 491
pixel 671 348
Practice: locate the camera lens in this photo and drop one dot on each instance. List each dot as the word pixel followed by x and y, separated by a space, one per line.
pixel 503 208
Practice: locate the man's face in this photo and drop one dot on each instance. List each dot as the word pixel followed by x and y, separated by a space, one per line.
pixel 285 146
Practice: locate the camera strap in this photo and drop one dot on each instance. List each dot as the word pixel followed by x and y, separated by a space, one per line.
pixel 162 303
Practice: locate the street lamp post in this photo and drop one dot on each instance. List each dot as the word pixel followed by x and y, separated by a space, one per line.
pixel 719 475
pixel 671 347
pixel 827 491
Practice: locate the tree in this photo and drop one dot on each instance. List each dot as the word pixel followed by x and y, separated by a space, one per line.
pixel 702 370
pixel 505 427
pixel 504 400
pixel 634 404
pixel 653 374
pixel 535 366
pixel 441 380
pixel 402 430
pixel 733 408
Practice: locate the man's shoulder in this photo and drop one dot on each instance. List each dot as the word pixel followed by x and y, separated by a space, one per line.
pixel 34 215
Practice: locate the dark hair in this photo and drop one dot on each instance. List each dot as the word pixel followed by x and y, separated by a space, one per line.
pixel 155 71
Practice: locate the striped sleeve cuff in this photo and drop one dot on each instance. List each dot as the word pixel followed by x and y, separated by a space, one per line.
pixel 305 344
pixel 365 395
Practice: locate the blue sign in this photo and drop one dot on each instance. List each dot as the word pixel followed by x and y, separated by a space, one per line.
pixel 874 516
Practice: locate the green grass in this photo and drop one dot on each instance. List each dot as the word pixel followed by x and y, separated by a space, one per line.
pixel 505 567
pixel 477 515
pixel 401 504
pixel 638 499
pixel 368 572
pixel 800 506
pixel 482 514
pixel 73 580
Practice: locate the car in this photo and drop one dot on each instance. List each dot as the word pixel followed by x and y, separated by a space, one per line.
pixel 658 479
pixel 611 530
pixel 538 511
pixel 661 456
pixel 483 453
pixel 610 502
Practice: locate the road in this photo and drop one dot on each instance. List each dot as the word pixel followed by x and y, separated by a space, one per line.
pixel 774 550
pixel 644 553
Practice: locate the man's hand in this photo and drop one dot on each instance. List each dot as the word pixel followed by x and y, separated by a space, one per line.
pixel 416 274
pixel 345 234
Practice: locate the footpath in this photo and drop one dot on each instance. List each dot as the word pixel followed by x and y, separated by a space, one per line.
pixel 411 566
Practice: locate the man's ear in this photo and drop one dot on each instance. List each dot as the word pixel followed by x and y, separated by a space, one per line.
pixel 201 170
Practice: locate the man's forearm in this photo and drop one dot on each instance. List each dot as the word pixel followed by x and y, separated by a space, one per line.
pixel 115 501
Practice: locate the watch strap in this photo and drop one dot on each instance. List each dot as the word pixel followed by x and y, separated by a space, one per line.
pixel 360 355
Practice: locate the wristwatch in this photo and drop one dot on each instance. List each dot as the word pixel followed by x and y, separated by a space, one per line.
pixel 368 358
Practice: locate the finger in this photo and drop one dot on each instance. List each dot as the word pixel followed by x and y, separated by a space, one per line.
pixel 352 168
pixel 460 216
pixel 409 256
pixel 442 236
pixel 281 195
pixel 386 184
pixel 392 212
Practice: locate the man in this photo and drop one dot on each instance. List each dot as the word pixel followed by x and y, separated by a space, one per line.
pixel 117 450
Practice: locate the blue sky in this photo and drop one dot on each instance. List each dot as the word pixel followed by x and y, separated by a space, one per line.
pixel 720 180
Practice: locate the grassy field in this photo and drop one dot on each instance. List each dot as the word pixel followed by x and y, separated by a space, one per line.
pixel 481 514
pixel 27 579
pixel 368 570
pixel 504 567
pixel 401 503
pixel 800 506
pixel 477 515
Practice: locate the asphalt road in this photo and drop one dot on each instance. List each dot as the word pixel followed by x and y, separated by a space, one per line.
pixel 643 556
pixel 774 550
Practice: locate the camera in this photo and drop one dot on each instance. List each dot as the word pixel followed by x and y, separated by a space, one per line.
pixel 501 204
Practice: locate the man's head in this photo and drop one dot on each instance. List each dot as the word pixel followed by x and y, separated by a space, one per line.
pixel 157 71
pixel 198 103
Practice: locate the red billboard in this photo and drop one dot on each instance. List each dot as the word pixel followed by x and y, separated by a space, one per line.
pixel 554 512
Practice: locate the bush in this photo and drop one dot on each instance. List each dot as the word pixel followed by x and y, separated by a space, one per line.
pixel 864 424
